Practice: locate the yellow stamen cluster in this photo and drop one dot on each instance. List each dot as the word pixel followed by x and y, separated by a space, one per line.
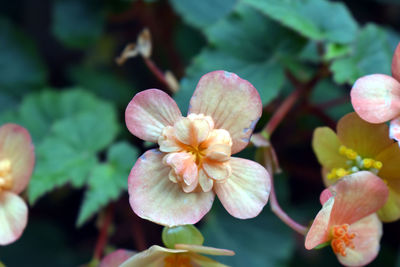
pixel 355 162
pixel 5 175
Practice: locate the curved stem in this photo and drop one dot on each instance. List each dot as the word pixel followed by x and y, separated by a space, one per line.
pixel 103 235
pixel 282 214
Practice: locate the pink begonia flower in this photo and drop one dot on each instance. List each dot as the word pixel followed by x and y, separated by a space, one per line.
pixel 376 97
pixel 176 184
pixel 183 256
pixel 348 220
pixel 16 165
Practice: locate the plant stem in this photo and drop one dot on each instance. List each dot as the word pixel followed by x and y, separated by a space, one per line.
pixel 282 214
pixel 157 73
pixel 103 234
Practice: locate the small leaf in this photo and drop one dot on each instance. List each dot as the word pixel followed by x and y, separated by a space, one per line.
pixel 311 18
pixel 370 53
pixel 203 13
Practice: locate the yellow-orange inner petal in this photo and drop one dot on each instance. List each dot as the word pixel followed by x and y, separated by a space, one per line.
pixel 5 175
pixel 193 144
pixel 341 239
pixel 177 260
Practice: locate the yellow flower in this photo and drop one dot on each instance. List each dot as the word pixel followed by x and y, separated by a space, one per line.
pixel 361 146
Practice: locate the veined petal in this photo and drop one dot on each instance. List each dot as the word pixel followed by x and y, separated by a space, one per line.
pixel 154 197
pixel 246 191
pixel 13 217
pixel 390 212
pixel 151 257
pixel 325 195
pixel 184 166
pixel 149 112
pixel 396 63
pixel 368 232
pixel 319 231
pixel 16 146
pixel 233 103
pixel 192 131
pixel 356 196
pixel 205 182
pixel 365 138
pixel 199 260
pixel 217 170
pixel 376 98
pixel 205 250
pixel 326 145
pixel 116 258
pixel 168 141
pixel 219 152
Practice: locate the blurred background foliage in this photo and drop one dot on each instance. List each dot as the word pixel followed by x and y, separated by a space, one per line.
pixel 59 79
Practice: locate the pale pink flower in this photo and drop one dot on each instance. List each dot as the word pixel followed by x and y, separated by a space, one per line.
pixel 176 184
pixel 16 165
pixel 376 97
pixel 348 220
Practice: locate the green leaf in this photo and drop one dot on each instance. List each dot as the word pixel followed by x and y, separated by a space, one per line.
pixel 336 50
pixel 21 68
pixel 107 181
pixel 262 241
pixel 238 44
pixel 39 111
pixel 370 53
pixel 58 163
pixel 320 20
pixel 203 13
pixel 77 24
pixel 69 128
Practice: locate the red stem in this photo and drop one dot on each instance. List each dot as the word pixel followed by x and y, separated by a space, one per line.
pixel 157 72
pixel 103 235
pixel 282 214
pixel 282 111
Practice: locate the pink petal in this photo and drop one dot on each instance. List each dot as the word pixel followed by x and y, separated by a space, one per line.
pixel 151 257
pixel 376 98
pixel 325 195
pixel 205 182
pixel 233 103
pixel 17 147
pixel 13 217
pixel 217 170
pixel 318 232
pixel 246 191
pixel 356 196
pixel 192 131
pixel 394 129
pixel 168 141
pixel 116 258
pixel 154 197
pixel 366 242
pixel 183 165
pixel 205 250
pixel 149 112
pixel 396 63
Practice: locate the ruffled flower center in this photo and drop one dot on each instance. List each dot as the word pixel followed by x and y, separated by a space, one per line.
pixel 5 175
pixel 341 239
pixel 197 153
pixel 177 260
pixel 355 163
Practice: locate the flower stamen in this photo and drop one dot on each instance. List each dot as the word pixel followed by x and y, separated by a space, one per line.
pixel 342 239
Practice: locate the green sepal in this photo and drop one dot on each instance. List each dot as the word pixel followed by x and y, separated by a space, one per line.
pixel 184 234
pixel 327 243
